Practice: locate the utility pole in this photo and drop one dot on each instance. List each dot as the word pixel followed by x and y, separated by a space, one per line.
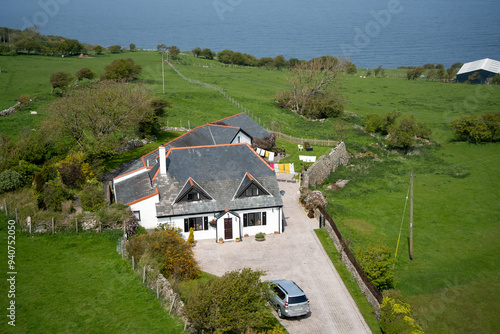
pixel 411 217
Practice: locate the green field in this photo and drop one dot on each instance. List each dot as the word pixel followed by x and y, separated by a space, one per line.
pixel 71 283
pixel 452 283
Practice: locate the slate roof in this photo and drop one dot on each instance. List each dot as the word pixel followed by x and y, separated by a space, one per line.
pixel 208 134
pixel 246 124
pixel 133 189
pixel 219 171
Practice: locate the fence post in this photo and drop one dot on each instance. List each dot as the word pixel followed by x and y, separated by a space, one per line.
pixel 157 290
pixel 121 248
pixel 133 263
pixel 17 221
pixel 5 207
pixel 52 225
pixel 143 274
pixel 76 225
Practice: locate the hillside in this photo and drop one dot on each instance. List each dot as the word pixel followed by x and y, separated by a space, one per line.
pixel 451 283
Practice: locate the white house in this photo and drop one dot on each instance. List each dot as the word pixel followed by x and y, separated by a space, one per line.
pixel 221 189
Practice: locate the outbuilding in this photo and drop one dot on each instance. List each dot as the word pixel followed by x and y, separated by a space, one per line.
pixel 485 68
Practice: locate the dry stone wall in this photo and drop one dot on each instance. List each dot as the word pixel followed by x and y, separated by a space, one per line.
pixel 326 164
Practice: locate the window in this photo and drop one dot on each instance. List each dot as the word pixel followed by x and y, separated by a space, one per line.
pixel 254 219
pixel 252 191
pixel 137 215
pixel 193 196
pixel 197 223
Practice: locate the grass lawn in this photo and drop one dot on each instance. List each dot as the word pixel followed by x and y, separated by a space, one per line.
pixel 71 283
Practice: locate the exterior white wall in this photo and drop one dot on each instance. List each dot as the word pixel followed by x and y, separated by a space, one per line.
pixel 273 221
pixel 243 138
pixel 147 209
pixel 131 174
pixel 273 224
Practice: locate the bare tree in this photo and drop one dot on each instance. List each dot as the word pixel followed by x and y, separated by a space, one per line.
pixel 317 78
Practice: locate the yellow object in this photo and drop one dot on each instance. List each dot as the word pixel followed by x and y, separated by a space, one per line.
pixel 282 168
pixel 287 168
pixel 267 154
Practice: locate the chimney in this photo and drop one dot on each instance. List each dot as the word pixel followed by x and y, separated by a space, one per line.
pixel 163 161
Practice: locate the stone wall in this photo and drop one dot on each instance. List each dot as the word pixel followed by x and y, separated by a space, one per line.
pixel 326 164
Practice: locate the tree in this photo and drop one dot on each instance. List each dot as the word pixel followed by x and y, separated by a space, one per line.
pixel 403 132
pixel 439 67
pixel 207 53
pixel 377 70
pixel 196 51
pixel 233 303
pixel 98 49
pixel 73 170
pixel 279 62
pixel 415 73
pixel 174 51
pixel 85 73
pixel 315 88
pixel 132 46
pixel 456 66
pixel 225 56
pixel 60 80
pixel 377 263
pixel 380 123
pixel 122 69
pixel 52 196
pixel 100 116
pixel 71 47
pixel 115 48
pixel 292 62
pixel 267 62
pixel 351 68
pixel 451 73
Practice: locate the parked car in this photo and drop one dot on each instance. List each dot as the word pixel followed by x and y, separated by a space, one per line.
pixel 288 299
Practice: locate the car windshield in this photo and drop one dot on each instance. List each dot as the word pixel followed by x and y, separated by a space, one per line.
pixel 297 299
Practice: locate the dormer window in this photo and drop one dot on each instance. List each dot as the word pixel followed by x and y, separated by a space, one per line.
pixel 193 196
pixel 252 191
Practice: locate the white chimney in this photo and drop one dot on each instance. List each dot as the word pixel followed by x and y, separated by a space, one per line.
pixel 163 162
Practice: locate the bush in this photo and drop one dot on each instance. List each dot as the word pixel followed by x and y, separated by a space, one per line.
pixel 395 316
pixel 169 249
pixel 73 170
pixel 190 239
pixel 230 304
pixel 377 263
pixel 122 69
pixel 114 215
pixel 24 99
pixel 52 196
pixel 10 180
pixel 92 197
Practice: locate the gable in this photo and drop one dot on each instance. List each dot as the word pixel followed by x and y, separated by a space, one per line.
pixel 250 187
pixel 192 192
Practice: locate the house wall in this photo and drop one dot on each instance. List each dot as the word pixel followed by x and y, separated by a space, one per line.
pixel 129 175
pixel 243 138
pixel 273 223
pixel 483 75
pixel 147 210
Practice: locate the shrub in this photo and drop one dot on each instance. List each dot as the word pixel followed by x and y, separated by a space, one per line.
pixel 52 196
pixel 122 69
pixel 131 226
pixel 190 239
pixel 10 180
pixel 114 215
pixel 85 73
pixel 92 197
pixel 169 249
pixel 24 99
pixel 377 263
pixel 47 173
pixel 73 170
pixel 395 316
pixel 230 304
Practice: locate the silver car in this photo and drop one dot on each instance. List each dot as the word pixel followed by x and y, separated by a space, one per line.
pixel 288 299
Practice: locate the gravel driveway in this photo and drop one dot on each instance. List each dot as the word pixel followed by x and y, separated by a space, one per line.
pixel 297 255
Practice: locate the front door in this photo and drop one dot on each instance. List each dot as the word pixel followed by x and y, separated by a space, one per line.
pixel 228 228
